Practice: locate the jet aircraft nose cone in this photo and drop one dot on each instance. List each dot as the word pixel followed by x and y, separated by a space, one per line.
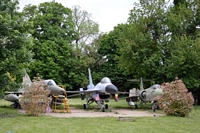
pixel 56 90
pixel 11 97
pixel 111 89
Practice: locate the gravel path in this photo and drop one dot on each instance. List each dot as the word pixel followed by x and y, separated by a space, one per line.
pixel 114 113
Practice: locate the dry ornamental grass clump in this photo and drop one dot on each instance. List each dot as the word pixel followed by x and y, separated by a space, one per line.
pixel 35 98
pixel 176 100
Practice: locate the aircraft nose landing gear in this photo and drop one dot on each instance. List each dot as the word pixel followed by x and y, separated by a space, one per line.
pixel 154 107
pixel 85 106
pixel 102 108
pixel 17 105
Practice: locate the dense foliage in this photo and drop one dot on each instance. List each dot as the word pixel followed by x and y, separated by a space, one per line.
pixel 107 51
pixel 176 100
pixel 53 33
pixel 15 43
pixel 161 42
pixel 60 44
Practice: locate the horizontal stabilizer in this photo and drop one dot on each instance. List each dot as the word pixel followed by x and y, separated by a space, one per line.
pixel 139 80
pixel 133 99
pixel 134 80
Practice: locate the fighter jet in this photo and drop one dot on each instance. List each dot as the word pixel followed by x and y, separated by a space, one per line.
pixel 144 95
pixel 100 93
pixel 14 96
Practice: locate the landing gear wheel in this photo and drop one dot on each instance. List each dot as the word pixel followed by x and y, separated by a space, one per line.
pixel 84 106
pixel 154 109
pixel 136 107
pixel 154 106
pixel 19 107
pixel 16 105
pixel 103 109
pixel 106 106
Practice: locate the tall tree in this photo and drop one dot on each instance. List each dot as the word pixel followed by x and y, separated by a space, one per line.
pixel 15 42
pixel 108 50
pixel 162 42
pixel 53 32
pixel 86 29
pixel 86 41
pixel 183 60
pixel 141 44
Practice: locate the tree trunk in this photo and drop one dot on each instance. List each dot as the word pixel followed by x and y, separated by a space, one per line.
pixel 196 95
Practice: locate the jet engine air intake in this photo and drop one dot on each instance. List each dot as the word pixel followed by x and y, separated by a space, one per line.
pixel 143 95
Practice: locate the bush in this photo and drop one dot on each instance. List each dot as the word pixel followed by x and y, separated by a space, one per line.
pixel 35 98
pixel 176 101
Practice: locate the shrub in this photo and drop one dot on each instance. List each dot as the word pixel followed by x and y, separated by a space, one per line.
pixel 35 98
pixel 176 101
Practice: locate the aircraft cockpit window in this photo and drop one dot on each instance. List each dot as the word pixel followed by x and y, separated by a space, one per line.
pixel 50 83
pixel 156 87
pixel 105 80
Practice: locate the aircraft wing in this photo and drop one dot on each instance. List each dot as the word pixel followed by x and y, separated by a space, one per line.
pixel 132 98
pixel 74 91
pixel 26 81
pixel 81 93
pixel 84 91
pixel 91 91
pixel 18 92
pixel 122 92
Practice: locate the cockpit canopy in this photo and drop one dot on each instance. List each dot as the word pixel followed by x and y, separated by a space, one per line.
pixel 156 86
pixel 105 80
pixel 49 82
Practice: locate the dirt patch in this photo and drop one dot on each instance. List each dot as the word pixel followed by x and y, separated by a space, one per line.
pixel 113 113
pixel 6 115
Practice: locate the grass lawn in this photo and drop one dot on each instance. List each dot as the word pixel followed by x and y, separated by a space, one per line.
pixel 11 121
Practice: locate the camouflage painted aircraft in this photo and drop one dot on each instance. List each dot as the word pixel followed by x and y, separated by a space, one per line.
pixel 144 95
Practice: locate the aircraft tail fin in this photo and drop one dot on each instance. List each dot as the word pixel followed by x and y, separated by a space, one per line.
pixel 141 84
pixel 141 80
pixel 26 80
pixel 91 85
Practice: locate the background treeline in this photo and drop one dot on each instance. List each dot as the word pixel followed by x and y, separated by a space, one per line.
pixel 159 41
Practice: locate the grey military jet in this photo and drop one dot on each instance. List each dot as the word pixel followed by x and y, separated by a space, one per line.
pixel 100 93
pixel 144 95
pixel 14 96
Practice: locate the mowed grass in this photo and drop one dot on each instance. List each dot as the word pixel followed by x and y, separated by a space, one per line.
pixel 12 121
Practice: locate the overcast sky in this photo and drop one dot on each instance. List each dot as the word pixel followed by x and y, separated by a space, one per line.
pixel 107 13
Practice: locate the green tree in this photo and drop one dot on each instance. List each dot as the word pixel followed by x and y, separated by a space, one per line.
pixel 15 44
pixel 142 42
pixel 182 58
pixel 161 42
pixel 85 44
pixel 53 32
pixel 108 50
